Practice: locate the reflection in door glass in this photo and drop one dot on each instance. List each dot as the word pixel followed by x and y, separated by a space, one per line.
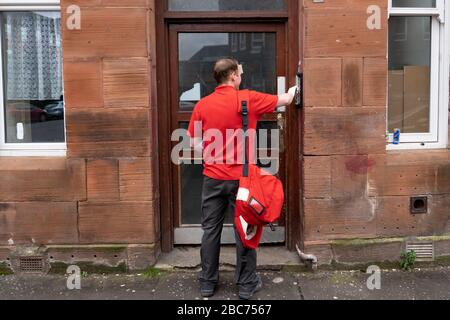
pixel 268 154
pixel 198 52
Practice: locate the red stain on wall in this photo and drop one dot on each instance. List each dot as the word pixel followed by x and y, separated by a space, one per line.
pixel 359 165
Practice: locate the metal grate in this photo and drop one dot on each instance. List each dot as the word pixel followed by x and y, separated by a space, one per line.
pixel 31 264
pixel 424 250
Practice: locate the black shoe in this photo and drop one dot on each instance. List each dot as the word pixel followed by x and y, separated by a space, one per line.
pixel 207 289
pixel 246 294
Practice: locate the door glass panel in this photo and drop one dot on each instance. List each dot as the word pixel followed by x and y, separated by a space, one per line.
pixel 409 74
pixel 268 152
pixel 414 3
pixel 227 5
pixel 191 183
pixel 191 175
pixel 198 52
pixel 191 195
pixel 32 73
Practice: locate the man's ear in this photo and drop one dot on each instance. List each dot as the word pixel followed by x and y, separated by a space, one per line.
pixel 240 70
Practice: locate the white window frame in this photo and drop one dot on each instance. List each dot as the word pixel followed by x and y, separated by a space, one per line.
pixel 27 149
pixel 439 86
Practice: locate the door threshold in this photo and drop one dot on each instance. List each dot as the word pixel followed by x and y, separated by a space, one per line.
pixel 193 235
pixel 188 257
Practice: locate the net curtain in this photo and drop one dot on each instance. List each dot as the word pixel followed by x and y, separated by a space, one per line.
pixel 33 55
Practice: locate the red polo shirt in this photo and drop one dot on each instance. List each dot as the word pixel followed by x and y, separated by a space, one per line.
pixel 219 112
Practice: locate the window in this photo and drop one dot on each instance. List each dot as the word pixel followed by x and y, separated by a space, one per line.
pixel 31 85
pixel 227 5
pixel 418 73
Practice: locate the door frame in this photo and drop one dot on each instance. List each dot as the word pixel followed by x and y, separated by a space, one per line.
pixel 189 234
pixel 294 117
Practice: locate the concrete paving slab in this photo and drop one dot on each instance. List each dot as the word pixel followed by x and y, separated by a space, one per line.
pixel 419 284
pixel 269 257
pixel 167 286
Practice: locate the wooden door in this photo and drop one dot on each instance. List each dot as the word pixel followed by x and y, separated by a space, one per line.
pixel 193 49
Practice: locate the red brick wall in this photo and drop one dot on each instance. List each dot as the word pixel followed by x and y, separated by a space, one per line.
pixel 108 77
pixel 103 192
pixel 353 187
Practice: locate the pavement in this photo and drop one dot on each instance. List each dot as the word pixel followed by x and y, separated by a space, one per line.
pixel 156 284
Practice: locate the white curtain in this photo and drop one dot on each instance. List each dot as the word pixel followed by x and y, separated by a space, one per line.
pixel 33 55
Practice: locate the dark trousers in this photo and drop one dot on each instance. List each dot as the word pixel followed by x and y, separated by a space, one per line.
pixel 217 197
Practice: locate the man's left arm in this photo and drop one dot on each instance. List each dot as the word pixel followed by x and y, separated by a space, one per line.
pixel 194 132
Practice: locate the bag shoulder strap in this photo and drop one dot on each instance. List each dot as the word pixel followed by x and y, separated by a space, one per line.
pixel 244 102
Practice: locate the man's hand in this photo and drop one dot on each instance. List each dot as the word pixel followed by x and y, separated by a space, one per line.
pixel 292 91
pixel 287 98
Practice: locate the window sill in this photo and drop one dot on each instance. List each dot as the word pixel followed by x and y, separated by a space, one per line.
pixel 33 153
pixel 416 146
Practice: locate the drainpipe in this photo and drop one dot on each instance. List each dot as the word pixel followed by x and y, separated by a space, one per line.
pixel 309 259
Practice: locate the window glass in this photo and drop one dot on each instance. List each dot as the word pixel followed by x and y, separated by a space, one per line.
pixel 199 51
pixel 226 5
pixel 32 74
pixel 414 3
pixel 409 74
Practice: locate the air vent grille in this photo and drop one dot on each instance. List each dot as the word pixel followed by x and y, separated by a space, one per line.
pixel 424 250
pixel 31 264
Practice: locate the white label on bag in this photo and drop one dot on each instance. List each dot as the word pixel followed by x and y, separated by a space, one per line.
pixel 249 231
pixel 243 194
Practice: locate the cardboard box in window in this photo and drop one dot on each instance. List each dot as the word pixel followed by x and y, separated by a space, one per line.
pixel 395 109
pixel 416 99
pixel 409 99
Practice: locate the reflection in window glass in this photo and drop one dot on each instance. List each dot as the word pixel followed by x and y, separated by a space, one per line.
pixel 199 51
pixel 33 87
pixel 409 74
pixel 226 5
pixel 414 3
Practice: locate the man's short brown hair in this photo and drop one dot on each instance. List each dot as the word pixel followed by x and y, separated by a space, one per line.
pixel 224 68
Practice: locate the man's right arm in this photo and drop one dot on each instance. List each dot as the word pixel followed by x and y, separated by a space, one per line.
pixel 286 99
